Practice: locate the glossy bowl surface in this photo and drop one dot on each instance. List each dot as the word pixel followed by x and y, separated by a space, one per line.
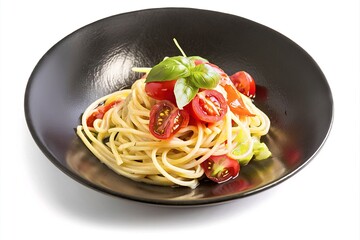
pixel 97 59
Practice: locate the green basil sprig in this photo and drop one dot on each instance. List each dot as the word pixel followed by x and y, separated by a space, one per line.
pixel 169 69
pixel 190 77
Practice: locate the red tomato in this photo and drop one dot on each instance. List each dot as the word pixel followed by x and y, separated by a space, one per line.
pixel 161 90
pixel 235 101
pixel 221 168
pixel 244 83
pixel 193 121
pixel 100 112
pixel 209 106
pixel 166 120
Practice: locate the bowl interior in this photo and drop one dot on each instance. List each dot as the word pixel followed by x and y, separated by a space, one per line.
pixel 97 59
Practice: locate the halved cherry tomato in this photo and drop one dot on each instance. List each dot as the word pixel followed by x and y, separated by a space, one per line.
pixel 221 168
pixel 100 112
pixel 244 83
pixel 209 106
pixel 161 90
pixel 166 120
pixel 235 101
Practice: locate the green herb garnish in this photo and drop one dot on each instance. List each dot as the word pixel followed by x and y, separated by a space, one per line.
pixel 190 77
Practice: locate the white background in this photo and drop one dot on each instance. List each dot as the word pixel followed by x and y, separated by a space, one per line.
pixel 320 202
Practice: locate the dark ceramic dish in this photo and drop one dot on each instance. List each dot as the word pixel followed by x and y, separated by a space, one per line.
pixel 97 59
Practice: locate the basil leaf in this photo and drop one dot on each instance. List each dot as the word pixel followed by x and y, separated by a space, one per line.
pixel 170 69
pixel 204 76
pixel 183 60
pixel 184 92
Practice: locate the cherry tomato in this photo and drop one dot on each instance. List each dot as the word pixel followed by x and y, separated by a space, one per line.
pixel 235 102
pixel 221 168
pixel 166 120
pixel 244 83
pixel 100 112
pixel 161 90
pixel 209 106
pixel 193 121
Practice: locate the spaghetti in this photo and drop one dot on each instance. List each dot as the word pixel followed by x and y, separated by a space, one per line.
pixel 121 139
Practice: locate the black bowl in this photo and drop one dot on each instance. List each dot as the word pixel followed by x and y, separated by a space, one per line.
pixel 97 59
